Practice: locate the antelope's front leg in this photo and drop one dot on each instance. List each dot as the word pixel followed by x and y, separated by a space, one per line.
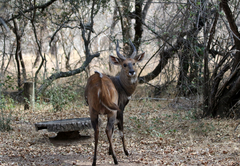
pixel 120 127
pixel 110 148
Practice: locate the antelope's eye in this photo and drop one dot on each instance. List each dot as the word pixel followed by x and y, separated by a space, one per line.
pixel 124 65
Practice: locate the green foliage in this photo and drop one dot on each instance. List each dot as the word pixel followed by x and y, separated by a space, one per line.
pixel 147 126
pixel 152 123
pixel 203 128
pixel 61 96
pixel 5 119
pixel 8 82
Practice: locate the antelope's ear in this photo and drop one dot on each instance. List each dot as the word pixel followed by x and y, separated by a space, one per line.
pixel 140 57
pixel 114 60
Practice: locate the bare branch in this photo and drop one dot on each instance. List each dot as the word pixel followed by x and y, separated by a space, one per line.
pixel 43 6
pixel 56 76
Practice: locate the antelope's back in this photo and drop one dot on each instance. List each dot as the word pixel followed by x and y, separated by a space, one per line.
pixel 100 93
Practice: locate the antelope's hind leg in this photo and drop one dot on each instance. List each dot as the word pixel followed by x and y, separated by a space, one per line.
pixel 109 132
pixel 94 120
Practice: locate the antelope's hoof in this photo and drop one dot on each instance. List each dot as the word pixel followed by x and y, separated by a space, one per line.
pixel 94 163
pixel 116 162
pixel 126 153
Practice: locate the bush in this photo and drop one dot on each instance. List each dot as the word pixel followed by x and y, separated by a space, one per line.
pixel 61 96
pixel 5 120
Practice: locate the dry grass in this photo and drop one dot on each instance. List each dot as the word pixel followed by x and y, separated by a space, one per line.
pixel 157 133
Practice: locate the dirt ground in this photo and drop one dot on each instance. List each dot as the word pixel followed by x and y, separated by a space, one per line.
pixel 162 132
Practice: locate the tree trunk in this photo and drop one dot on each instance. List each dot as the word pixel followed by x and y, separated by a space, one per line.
pixel 138 24
pixel 22 63
pixel 18 55
pixel 3 55
pixel 18 42
pixel 29 96
pixel 126 21
pixel 225 97
pixel 234 29
pixel 114 23
pixel 183 84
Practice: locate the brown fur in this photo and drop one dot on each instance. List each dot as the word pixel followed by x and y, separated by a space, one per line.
pixel 100 92
pixel 109 95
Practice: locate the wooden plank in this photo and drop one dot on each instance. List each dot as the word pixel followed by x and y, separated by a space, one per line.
pixel 65 125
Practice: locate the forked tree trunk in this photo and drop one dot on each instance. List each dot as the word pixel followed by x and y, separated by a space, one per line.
pixel 18 55
pixel 226 96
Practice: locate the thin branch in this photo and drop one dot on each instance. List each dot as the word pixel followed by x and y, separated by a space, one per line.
pixel 4 24
pixel 150 60
pixel 43 6
pixel 38 44
pixel 145 9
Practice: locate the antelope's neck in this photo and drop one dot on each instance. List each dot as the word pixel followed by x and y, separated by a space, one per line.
pixel 129 83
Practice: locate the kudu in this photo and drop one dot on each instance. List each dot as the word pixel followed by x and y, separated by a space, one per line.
pixel 109 95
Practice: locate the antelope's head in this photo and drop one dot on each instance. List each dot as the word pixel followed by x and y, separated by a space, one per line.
pixel 128 65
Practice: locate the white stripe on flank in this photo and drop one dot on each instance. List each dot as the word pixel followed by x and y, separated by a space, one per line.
pixel 99 91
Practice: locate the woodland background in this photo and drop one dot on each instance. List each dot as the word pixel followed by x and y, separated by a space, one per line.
pixel 188 83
